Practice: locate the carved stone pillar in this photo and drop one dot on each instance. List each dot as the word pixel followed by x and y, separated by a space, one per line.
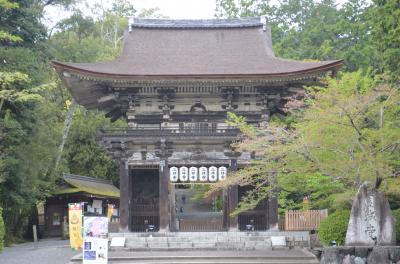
pixel 125 196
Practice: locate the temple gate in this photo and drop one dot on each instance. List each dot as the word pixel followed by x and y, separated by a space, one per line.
pixel 174 83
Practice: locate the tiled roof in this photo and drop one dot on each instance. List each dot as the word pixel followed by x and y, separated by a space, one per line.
pixel 88 185
pixel 198 48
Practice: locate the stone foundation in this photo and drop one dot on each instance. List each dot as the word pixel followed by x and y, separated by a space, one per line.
pixel 361 255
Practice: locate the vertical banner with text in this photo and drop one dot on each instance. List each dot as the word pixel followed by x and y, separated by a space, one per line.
pixel 75 211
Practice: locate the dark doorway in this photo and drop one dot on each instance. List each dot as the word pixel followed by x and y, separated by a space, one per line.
pixel 256 219
pixel 196 213
pixel 145 200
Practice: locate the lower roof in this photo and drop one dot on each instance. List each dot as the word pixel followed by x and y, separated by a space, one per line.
pixel 89 185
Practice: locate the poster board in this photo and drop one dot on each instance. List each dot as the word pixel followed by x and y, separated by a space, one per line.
pixel 95 249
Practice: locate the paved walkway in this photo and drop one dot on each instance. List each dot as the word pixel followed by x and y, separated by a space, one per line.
pixel 49 251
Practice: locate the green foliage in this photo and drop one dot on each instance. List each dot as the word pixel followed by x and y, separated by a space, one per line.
pixel 334 227
pixel 82 154
pixel 386 29
pixel 320 30
pixel 2 230
pixel 27 61
pixel 347 135
pixel 396 215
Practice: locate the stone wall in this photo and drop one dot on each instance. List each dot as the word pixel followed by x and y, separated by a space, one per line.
pixel 361 255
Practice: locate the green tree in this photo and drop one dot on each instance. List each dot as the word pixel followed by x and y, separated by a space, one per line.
pixel 348 134
pixel 386 29
pixel 307 29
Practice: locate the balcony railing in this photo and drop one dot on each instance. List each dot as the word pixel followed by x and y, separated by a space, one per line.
pixel 168 132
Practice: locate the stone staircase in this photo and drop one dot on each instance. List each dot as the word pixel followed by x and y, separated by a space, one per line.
pixel 207 240
pixel 281 256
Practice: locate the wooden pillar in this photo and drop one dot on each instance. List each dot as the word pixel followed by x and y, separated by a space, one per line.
pixel 172 202
pixel 225 210
pixel 273 213
pixel 233 201
pixel 163 196
pixel 125 197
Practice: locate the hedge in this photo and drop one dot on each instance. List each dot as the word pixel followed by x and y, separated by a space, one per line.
pixel 334 227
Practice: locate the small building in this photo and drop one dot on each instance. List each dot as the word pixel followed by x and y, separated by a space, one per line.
pixel 96 194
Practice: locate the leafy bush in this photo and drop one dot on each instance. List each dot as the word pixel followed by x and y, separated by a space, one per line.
pixel 334 227
pixel 396 214
pixel 2 230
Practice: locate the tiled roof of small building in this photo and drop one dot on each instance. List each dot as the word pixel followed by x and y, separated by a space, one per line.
pixel 89 185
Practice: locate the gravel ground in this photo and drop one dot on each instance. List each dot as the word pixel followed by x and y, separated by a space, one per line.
pixel 49 251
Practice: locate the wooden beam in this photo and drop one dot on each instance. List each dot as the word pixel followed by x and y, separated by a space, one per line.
pixel 107 99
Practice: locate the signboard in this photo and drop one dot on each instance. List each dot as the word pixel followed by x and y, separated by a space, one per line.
pixel 75 212
pixel 193 174
pixel 212 174
pixel 203 174
pixel 173 174
pixel 95 249
pixel 183 174
pixel 222 173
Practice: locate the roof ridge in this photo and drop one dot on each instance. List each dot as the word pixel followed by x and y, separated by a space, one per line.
pixel 196 23
pixel 86 178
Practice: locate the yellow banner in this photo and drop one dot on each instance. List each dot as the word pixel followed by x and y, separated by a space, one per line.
pixel 75 225
pixel 110 210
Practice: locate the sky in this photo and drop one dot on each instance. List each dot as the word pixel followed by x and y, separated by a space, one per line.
pixel 175 9
pixel 180 9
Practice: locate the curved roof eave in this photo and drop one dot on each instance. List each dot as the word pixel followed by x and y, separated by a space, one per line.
pixel 330 65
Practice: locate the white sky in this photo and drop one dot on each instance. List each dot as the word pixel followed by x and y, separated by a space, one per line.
pixel 180 9
pixel 175 9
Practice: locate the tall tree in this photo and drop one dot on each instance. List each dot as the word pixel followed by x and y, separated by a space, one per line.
pixel 348 134
pixel 386 31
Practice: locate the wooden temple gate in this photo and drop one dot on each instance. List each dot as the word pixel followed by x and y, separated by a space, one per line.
pixel 176 98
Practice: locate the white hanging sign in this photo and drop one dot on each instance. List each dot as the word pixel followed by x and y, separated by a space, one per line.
pixel 212 174
pixel 203 174
pixel 222 173
pixel 183 174
pixel 193 174
pixel 173 174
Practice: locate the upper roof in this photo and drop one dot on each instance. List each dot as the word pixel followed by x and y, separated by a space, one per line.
pixel 158 48
pixel 88 185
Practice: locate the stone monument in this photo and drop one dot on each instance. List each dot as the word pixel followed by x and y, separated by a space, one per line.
pixel 371 222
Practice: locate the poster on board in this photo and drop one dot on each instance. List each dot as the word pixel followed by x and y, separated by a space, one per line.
pixel 95 246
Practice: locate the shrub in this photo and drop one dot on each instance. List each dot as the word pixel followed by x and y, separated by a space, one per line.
pixel 334 227
pixel 396 215
pixel 2 230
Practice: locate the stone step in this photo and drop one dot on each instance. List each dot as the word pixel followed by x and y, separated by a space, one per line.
pixel 295 256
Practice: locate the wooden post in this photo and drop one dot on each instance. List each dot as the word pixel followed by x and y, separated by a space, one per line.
pixel 125 197
pixel 163 196
pixel 35 239
pixel 172 202
pixel 233 201
pixel 273 213
pixel 225 219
